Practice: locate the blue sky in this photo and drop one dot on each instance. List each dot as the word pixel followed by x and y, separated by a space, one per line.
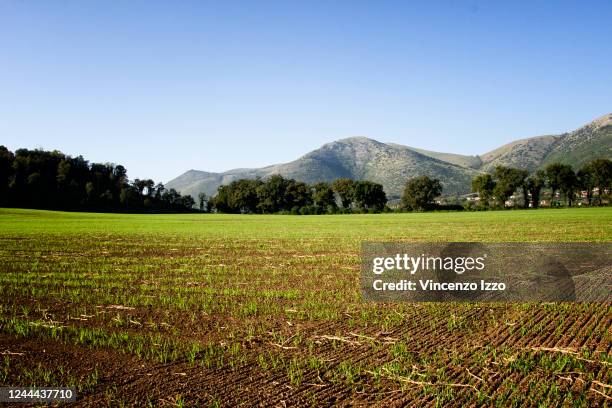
pixel 163 87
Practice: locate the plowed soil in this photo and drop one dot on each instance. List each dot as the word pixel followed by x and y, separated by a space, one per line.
pixel 205 312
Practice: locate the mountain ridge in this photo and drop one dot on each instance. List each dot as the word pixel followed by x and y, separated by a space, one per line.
pixel 391 164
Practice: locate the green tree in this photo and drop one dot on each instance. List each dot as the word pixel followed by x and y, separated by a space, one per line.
pixel 561 177
pixel 271 195
pixel 89 190
pixel 585 181
pixel 345 188
pixel 129 196
pixel 159 190
pixel 554 172
pixel 202 201
pixel 6 170
pixel 369 196
pixel 323 197
pixel 297 195
pixel 139 184
pixel 535 183
pixel 420 192
pixel 51 179
pixel 569 183
pixel 507 181
pixel 171 198
pixel 601 170
pixel 220 202
pixel 243 196
pixel 119 178
pixel 483 184
pixel 186 202
pixel 149 187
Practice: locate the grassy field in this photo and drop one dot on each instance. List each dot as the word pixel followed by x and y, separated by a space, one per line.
pixel 227 310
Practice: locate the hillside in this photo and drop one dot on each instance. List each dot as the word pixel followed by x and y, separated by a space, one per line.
pixel 576 148
pixel 525 153
pixel 473 162
pixel 587 143
pixel 392 164
pixel 356 158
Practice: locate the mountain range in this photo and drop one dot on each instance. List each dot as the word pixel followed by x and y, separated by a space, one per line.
pixel 392 164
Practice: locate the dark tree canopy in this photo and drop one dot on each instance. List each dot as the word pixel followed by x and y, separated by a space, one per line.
pixel 507 181
pixel 601 172
pixel 202 202
pixel 590 184
pixel 569 184
pixel 535 184
pixel 345 188
pixel 560 177
pixel 280 195
pixel 323 197
pixel 272 195
pixel 239 197
pixel 369 196
pixel 298 195
pixel 53 180
pixel 243 195
pixel 483 184
pixel 420 192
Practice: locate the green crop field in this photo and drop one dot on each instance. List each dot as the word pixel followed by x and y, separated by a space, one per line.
pixel 229 310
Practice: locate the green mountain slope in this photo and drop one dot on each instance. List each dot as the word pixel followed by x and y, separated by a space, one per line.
pixel 356 158
pixel 576 148
pixel 583 145
pixel 525 153
pixel 392 164
pixel 473 162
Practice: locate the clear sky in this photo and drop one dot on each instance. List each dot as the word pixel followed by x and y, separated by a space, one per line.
pixel 163 87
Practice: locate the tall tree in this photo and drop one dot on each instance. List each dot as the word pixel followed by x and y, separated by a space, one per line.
pixel 140 185
pixel 420 193
pixel 149 187
pixel 243 196
pixel 601 170
pixel 585 181
pixel 271 195
pixel 186 202
pixel 507 181
pixel 323 197
pixel 159 190
pixel 345 188
pixel 554 179
pixel 53 180
pixel 297 195
pixel 369 195
pixel 483 184
pixel 569 183
pixel 561 177
pixel 202 202
pixel 220 202
pixel 535 183
pixel 6 171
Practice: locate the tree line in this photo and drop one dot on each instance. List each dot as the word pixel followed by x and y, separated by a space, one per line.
pixel 288 196
pixel 52 180
pixel 595 179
